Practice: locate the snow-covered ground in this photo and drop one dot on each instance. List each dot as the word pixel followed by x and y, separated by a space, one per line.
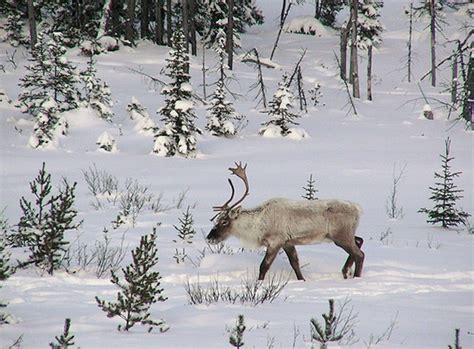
pixel 418 276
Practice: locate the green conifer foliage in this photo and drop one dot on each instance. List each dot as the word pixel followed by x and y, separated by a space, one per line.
pixel 139 289
pixel 44 222
pixel 444 194
pixel 178 135
pixel 237 334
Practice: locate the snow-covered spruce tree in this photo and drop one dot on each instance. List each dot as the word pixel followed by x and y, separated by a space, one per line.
pixel 48 126
pixel 237 333
pixel 217 23
pixel 178 134
pixel 139 289
pixel 281 117
pixel 138 113
pixel 5 269
pixel 14 29
pixel 50 77
pixel 96 92
pixel 326 11
pixel 106 142
pixel 44 222
pixel 310 189
pixel 220 110
pixel 369 27
pixel 444 194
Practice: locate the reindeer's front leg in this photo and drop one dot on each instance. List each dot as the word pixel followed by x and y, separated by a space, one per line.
pixel 268 260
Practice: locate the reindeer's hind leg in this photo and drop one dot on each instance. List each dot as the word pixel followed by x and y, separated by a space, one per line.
pixel 355 255
pixel 294 262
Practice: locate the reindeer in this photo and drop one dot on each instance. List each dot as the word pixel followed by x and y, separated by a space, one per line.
pixel 283 224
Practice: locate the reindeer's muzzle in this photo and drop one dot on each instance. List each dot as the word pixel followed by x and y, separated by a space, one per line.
pixel 213 237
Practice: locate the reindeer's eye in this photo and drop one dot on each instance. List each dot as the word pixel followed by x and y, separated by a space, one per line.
pixel 225 222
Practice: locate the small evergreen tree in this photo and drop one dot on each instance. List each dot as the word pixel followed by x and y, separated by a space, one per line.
pixel 44 222
pixel 106 142
pixel 49 125
pixel 237 334
pixel 97 92
pixel 50 75
pixel 66 339
pixel 445 195
pixel 5 269
pixel 185 229
pixel 220 110
pixel 178 135
pixel 280 110
pixel 329 333
pixel 310 189
pixel 139 289
pixel 138 113
pixel 14 29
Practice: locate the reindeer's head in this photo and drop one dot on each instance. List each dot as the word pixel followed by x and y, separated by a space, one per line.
pixel 228 214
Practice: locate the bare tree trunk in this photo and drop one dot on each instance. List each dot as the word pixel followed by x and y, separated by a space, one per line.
pixel 159 25
pixel 169 29
pixel 145 18
pixel 433 41
pixel 410 35
pixel 32 23
pixel 354 62
pixel 282 23
pixel 192 27
pixel 343 53
pixel 129 29
pixel 454 81
pixel 369 73
pixel 282 14
pixel 185 23
pixel 230 34
pixel 204 70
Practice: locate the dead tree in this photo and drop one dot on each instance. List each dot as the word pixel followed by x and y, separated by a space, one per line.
pixel 230 34
pixel 409 43
pixel 351 101
pixel 433 41
pixel 259 85
pixel 282 23
pixel 301 94
pixel 369 72
pixel 354 71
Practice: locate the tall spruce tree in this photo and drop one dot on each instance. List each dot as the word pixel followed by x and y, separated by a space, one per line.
pixel 178 134
pixel 221 111
pixel 281 116
pixel 139 290
pixel 444 194
pixel 50 78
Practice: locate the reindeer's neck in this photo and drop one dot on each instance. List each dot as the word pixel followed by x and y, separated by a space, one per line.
pixel 248 229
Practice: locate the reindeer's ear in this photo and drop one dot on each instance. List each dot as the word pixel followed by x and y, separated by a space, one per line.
pixel 235 212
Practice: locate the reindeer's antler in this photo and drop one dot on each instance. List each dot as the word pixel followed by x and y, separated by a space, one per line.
pixel 239 171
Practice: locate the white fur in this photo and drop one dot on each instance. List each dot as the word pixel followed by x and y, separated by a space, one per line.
pixel 280 221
